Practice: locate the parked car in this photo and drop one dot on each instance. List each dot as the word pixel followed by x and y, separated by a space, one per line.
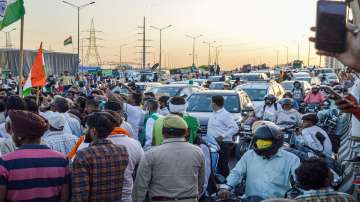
pixel 257 91
pixel 140 86
pixel 236 102
pixel 250 77
pixel 289 85
pixel 216 86
pixel 184 90
pixel 218 78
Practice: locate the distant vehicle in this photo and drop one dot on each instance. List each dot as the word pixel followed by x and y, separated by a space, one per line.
pixel 216 86
pixel 331 79
pixel 289 86
pixel 236 102
pixel 198 82
pixel 184 90
pixel 300 75
pixel 311 80
pixel 257 91
pixel 218 78
pixel 250 77
pixel 325 70
pixel 139 86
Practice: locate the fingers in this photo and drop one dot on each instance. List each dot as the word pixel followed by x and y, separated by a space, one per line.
pixel 351 27
pixel 312 39
pixel 313 29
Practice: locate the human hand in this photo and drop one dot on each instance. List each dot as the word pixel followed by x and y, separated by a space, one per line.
pixel 224 194
pixel 347 104
pixel 351 56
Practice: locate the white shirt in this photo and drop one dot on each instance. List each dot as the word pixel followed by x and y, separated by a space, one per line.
pixel 355 123
pixel 222 123
pixel 289 116
pixel 135 116
pixel 311 141
pixel 268 113
pixel 3 132
pixel 136 153
pixel 125 125
pixel 149 128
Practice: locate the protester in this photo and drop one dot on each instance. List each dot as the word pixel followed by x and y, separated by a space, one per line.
pixel 117 107
pixel 172 171
pixel 56 138
pixel 12 103
pixel 146 136
pixel 135 152
pixel 222 127
pixel 314 137
pixel 267 110
pixel 163 101
pixel 266 169
pixel 98 170
pixel 315 96
pixel 177 106
pixel 315 177
pixel 33 172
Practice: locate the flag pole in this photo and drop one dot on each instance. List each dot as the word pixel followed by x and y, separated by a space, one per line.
pixel 38 96
pixel 21 56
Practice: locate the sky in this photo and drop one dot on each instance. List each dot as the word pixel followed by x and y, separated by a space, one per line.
pixel 248 31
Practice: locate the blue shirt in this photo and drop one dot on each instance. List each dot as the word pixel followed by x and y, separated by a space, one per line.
pixel 266 178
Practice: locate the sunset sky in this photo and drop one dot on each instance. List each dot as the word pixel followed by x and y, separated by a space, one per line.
pixel 249 31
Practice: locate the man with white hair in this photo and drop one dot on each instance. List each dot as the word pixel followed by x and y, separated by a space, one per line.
pixel 56 138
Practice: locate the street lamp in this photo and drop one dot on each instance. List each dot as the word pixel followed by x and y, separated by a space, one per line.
pixel 121 46
pixel 217 54
pixel 209 44
pixel 78 12
pixel 7 33
pixel 194 39
pixel 160 30
pixel 287 55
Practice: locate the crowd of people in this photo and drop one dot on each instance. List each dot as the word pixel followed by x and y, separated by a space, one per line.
pixel 79 141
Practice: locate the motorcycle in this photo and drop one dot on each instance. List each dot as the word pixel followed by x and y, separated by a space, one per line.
pixel 312 108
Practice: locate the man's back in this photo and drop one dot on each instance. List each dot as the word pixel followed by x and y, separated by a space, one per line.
pixel 60 141
pixel 98 172
pixel 174 169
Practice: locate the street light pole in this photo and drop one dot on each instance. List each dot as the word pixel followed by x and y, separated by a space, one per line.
pixel 121 46
pixel 287 55
pixel 194 39
pixel 309 54
pixel 209 44
pixel 7 33
pixel 78 15
pixel 160 30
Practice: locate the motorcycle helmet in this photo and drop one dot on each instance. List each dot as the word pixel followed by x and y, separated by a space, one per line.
pixel 315 89
pixel 310 117
pixel 326 104
pixel 268 139
pixel 270 99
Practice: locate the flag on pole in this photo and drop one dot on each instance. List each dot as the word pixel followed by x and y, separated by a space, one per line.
pixel 37 75
pixel 68 41
pixel 10 12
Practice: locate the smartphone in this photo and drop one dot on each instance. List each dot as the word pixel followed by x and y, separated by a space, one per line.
pixel 331 26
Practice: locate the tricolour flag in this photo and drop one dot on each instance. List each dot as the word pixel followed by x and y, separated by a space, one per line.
pixel 68 41
pixel 37 75
pixel 10 12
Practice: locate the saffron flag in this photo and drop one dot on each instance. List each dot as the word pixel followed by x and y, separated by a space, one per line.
pixel 37 75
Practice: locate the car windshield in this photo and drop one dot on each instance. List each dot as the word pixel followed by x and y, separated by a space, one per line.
pixel 247 77
pixel 216 86
pixel 256 94
pixel 202 103
pixel 169 91
pixel 308 79
pixel 332 77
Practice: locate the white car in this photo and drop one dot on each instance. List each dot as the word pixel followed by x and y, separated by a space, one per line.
pixel 258 91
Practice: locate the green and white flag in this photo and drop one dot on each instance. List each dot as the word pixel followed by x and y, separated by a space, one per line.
pixel 10 12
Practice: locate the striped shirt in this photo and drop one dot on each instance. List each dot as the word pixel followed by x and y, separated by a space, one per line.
pixel 33 173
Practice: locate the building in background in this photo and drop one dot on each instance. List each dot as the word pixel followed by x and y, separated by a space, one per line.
pixel 331 62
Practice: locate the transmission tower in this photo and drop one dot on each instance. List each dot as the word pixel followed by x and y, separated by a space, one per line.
pixel 143 46
pixel 92 57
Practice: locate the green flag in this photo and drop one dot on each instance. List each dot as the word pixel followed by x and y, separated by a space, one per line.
pixel 10 12
pixel 68 41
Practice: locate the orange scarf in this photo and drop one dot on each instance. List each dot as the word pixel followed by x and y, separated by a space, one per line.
pixel 81 139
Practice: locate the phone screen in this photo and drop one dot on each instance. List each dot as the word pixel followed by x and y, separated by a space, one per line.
pixel 331 26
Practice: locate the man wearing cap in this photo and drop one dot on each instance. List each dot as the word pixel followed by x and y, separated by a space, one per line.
pixel 33 172
pixel 171 171
pixel 287 114
pixel 177 106
pixel 56 138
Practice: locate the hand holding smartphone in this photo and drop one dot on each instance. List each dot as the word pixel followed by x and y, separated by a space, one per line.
pixel 331 26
